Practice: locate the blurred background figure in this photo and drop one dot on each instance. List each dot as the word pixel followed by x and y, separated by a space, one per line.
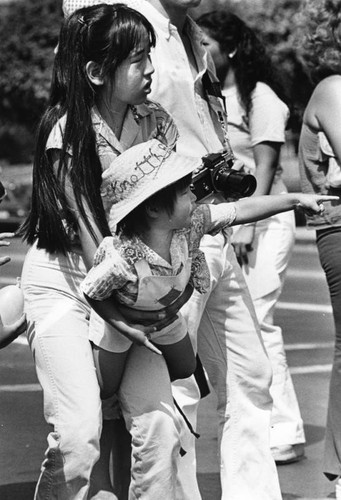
pixel 319 42
pixel 12 317
pixel 257 119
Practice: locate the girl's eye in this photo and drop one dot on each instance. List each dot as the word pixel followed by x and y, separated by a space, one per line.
pixel 136 58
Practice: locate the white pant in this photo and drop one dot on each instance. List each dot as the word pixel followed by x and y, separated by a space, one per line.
pixel 265 274
pixel 233 354
pixel 58 319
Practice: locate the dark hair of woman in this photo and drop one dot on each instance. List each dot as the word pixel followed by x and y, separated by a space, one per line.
pixel 105 34
pixel 137 220
pixel 251 63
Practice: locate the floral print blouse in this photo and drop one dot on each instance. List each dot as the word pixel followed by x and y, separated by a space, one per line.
pixel 114 263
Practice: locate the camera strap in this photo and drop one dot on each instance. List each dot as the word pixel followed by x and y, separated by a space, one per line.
pixel 213 88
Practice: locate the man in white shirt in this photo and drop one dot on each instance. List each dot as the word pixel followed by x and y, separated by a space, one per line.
pixel 222 323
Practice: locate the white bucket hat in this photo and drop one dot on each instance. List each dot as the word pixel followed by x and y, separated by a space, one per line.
pixel 140 172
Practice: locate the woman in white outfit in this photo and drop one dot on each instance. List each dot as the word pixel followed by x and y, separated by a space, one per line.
pixel 257 119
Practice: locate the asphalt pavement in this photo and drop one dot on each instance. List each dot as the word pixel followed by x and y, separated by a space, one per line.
pixel 305 316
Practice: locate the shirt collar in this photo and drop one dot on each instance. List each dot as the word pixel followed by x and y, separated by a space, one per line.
pixel 134 113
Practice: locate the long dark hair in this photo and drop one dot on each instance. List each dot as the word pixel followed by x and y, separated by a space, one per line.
pixel 105 34
pixel 251 63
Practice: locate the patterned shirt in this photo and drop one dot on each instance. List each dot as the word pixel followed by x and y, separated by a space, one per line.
pixel 114 263
pixel 143 122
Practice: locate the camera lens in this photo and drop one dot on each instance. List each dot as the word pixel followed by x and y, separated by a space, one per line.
pixel 232 182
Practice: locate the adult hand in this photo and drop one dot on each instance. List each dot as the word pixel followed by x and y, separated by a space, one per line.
pixel 4 243
pixel 8 333
pixel 242 241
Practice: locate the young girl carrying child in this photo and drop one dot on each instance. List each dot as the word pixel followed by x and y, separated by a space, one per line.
pixel 101 78
pixel 154 250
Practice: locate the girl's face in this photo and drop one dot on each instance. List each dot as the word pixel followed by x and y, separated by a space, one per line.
pixel 183 209
pixel 220 59
pixel 133 78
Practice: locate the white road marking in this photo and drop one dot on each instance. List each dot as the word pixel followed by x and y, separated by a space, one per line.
pixel 305 274
pixel 307 370
pixel 7 281
pixel 309 346
pixel 294 306
pixel 20 388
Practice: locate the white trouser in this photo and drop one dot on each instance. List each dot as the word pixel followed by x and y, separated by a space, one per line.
pixel 233 354
pixel 58 319
pixel 265 274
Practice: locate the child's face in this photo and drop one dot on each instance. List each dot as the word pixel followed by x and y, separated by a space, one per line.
pixel 133 77
pixel 183 209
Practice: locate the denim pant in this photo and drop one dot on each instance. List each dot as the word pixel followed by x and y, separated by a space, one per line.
pixel 329 248
pixel 58 319
pixel 265 274
pixel 232 352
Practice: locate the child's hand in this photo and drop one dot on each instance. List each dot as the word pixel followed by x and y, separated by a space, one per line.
pixel 139 335
pixel 9 333
pixel 313 203
pixel 3 243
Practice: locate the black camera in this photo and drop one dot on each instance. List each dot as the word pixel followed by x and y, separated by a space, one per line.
pixel 218 176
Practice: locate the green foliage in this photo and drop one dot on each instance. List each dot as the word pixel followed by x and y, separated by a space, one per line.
pixel 28 34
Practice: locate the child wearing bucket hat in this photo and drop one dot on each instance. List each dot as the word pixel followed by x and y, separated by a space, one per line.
pixel 154 249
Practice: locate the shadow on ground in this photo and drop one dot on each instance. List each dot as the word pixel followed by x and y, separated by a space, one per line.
pixel 314 433
pixel 19 491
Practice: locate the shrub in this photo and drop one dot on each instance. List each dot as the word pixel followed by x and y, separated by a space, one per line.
pixel 28 34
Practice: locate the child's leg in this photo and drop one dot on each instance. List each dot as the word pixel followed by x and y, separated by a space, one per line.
pixel 180 358
pixel 110 367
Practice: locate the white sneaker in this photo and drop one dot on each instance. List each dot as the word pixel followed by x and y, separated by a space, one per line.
pixel 338 489
pixel 288 454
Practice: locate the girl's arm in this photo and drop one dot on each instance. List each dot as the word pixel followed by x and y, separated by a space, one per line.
pixel 3 242
pixel 266 156
pixel 261 207
pixel 136 333
pixel 89 247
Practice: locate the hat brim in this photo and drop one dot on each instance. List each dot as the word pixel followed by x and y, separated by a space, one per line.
pixel 148 181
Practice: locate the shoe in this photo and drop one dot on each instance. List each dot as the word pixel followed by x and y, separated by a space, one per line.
pixel 338 490
pixel 288 454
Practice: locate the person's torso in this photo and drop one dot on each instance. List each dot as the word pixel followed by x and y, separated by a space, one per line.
pixel 266 123
pixel 313 165
pixel 195 113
